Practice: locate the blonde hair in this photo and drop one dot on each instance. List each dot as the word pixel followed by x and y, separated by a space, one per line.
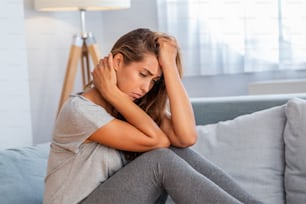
pixel 134 45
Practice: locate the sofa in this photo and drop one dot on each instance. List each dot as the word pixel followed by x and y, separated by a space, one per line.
pixel 259 140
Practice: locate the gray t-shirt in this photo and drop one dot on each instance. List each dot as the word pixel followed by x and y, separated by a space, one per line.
pixel 75 168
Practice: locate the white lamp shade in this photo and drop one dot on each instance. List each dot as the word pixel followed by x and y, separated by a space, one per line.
pixel 73 5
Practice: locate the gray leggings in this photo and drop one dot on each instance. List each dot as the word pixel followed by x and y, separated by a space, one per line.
pixel 182 173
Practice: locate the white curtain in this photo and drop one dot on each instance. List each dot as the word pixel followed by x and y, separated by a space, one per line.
pixel 226 36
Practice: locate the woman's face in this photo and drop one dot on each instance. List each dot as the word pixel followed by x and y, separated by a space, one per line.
pixel 137 78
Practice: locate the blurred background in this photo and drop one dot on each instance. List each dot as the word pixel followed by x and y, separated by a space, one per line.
pixel 230 48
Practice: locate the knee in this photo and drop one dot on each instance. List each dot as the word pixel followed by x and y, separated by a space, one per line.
pixel 182 151
pixel 159 155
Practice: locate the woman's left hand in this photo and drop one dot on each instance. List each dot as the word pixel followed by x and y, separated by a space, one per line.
pixel 168 50
pixel 180 126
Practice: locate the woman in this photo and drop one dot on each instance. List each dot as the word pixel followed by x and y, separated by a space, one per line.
pixel 116 143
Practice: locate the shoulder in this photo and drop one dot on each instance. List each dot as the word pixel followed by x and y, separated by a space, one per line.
pixel 79 110
pixel 79 105
pixel 78 119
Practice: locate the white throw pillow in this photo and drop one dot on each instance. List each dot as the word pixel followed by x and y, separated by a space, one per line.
pixel 251 149
pixel 295 151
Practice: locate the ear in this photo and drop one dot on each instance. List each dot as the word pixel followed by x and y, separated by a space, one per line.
pixel 118 61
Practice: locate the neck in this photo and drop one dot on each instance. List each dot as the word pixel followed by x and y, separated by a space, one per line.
pixel 94 95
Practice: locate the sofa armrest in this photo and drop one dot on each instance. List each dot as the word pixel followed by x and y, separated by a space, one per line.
pixel 22 173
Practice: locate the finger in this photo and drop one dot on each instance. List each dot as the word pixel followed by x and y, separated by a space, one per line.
pixel 98 68
pixel 110 60
pixel 167 39
pixel 100 61
pixel 105 62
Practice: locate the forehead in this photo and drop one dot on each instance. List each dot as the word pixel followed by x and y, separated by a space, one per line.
pixel 150 63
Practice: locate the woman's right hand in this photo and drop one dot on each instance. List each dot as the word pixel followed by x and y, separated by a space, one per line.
pixel 104 76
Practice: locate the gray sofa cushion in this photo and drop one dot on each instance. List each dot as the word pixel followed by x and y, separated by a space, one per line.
pixel 22 172
pixel 251 149
pixel 295 151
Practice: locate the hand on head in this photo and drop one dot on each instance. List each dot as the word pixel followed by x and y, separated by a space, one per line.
pixel 168 50
pixel 104 75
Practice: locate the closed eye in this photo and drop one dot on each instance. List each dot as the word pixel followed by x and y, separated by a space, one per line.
pixel 146 73
pixel 143 74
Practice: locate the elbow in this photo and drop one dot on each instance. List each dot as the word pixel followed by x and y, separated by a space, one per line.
pixel 194 139
pixel 190 140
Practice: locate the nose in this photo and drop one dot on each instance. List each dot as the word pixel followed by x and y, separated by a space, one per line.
pixel 146 86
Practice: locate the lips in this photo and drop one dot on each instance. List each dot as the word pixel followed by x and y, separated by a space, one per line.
pixel 136 95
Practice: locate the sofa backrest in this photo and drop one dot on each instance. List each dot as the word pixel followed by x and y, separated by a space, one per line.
pixel 209 110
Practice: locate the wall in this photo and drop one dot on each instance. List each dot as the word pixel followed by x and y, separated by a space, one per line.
pixel 15 114
pixel 49 36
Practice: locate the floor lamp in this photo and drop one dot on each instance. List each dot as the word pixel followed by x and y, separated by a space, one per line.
pixel 84 44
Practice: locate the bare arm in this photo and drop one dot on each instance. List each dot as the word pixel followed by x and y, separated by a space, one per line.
pixel 180 126
pixel 140 132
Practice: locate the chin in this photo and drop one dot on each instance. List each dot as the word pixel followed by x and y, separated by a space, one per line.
pixel 132 98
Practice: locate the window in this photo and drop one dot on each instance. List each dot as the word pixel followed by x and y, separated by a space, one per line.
pixel 234 36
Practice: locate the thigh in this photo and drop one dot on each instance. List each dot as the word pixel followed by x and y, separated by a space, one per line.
pixel 214 173
pixel 144 179
pixel 137 182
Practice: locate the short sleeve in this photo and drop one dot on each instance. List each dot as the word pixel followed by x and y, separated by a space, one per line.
pixel 78 119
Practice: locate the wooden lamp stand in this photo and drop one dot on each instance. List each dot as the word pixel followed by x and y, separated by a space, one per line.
pixel 83 45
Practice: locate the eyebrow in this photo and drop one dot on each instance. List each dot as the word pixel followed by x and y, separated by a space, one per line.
pixel 150 73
